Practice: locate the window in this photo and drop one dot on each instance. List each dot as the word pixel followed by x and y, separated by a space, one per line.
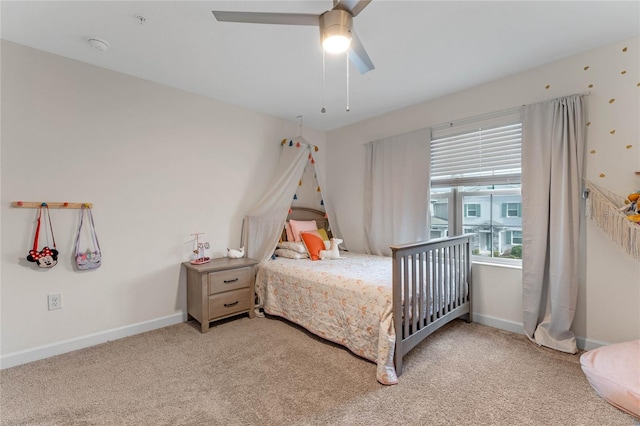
pixel 439 216
pixel 511 210
pixel 475 184
pixel 472 210
pixel 514 237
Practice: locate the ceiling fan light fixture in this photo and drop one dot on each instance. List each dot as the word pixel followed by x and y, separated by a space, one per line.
pixel 336 43
pixel 335 31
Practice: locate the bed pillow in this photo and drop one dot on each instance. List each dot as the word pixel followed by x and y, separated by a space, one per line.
pixel 313 243
pixel 290 254
pixel 614 372
pixel 298 226
pixel 290 245
pixel 322 234
pixel 289 232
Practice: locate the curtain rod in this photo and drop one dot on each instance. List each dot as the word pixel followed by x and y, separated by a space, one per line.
pixel 441 126
pixel 487 115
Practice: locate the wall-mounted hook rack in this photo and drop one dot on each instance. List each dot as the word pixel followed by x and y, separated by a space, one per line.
pixel 51 205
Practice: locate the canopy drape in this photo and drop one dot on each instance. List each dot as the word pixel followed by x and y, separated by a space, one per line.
pixel 263 225
pixel 553 135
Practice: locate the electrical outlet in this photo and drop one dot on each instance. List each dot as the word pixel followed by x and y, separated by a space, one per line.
pixel 55 301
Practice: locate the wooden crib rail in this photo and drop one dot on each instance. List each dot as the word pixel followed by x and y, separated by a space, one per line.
pixel 431 287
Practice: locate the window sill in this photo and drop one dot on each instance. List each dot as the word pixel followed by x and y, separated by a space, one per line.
pixel 485 262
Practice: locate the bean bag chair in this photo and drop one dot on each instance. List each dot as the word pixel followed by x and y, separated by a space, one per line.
pixel 614 372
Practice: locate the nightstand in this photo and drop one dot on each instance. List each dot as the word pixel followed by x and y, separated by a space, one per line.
pixel 219 289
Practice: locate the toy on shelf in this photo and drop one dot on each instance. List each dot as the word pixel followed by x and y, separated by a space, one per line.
pixel 632 207
pixel 198 250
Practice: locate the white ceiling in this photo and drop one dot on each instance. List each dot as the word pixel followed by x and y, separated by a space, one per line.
pixel 421 49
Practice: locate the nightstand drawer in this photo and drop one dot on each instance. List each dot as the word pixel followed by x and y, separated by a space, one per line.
pixel 229 280
pixel 228 303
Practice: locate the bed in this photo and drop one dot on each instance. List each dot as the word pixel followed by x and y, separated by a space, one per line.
pixel 377 307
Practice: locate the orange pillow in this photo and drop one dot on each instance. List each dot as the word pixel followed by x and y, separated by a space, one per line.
pixel 313 243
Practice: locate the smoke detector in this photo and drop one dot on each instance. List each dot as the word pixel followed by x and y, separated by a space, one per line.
pixel 98 44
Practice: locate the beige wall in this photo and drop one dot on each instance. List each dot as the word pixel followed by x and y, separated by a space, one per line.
pixel 157 163
pixel 609 297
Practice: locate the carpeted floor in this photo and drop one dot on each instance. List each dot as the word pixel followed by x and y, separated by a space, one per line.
pixel 266 371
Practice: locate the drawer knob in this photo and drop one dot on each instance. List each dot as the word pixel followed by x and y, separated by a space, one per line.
pixel 228 305
pixel 230 281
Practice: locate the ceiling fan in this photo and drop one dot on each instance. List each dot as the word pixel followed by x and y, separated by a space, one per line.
pixel 336 27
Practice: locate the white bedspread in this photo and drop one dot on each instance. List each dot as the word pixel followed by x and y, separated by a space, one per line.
pixel 348 301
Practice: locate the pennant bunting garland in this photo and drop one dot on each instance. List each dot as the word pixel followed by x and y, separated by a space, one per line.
pixel 304 195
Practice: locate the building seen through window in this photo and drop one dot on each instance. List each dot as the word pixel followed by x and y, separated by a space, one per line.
pixel 492 213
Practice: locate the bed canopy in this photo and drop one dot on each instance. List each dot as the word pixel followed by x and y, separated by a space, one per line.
pixel 296 180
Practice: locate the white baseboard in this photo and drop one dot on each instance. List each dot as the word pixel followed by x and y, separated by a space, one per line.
pixel 502 324
pixel 22 357
pixel 499 323
pixel 588 344
pixel 41 352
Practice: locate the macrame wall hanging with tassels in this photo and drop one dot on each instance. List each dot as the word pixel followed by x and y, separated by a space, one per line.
pixel 604 208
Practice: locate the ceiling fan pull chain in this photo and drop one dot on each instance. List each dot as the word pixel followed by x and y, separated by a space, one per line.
pixel 323 110
pixel 347 56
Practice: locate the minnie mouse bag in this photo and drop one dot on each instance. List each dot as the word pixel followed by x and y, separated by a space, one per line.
pixel 91 258
pixel 47 257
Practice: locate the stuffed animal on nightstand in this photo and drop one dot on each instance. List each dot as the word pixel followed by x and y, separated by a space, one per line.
pixel 235 254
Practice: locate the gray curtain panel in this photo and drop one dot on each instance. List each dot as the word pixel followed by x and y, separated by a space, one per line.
pixel 397 191
pixel 553 135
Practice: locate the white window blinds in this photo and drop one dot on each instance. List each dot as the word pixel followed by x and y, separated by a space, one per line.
pixel 486 150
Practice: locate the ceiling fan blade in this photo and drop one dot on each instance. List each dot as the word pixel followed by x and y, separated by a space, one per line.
pixel 352 6
pixel 358 55
pixel 267 18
